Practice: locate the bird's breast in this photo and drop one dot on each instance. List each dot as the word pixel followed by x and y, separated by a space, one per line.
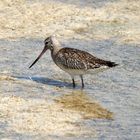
pixel 71 71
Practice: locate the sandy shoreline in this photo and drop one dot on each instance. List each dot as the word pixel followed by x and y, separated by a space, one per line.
pixel 96 20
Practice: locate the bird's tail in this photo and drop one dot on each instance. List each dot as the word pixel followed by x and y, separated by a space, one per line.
pixel 111 64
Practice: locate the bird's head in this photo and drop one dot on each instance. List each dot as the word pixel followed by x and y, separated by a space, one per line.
pixel 50 43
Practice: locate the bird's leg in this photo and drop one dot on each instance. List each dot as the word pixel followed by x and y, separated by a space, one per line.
pixel 73 82
pixel 81 76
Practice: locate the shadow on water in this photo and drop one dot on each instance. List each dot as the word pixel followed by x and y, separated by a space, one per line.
pixel 79 101
pixel 46 81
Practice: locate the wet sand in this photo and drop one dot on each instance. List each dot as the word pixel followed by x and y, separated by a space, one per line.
pixel 39 103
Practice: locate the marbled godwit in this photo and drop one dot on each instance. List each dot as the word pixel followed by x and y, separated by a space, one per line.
pixel 74 61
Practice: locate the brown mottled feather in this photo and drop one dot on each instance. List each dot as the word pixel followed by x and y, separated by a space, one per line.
pixel 76 59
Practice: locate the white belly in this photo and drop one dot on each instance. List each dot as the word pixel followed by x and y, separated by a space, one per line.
pixel 97 70
pixel 74 72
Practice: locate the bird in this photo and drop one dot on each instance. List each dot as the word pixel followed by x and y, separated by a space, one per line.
pixel 73 61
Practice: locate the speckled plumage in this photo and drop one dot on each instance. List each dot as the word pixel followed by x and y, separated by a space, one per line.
pixel 72 58
pixel 74 61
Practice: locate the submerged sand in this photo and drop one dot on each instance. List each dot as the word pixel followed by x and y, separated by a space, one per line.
pixel 60 117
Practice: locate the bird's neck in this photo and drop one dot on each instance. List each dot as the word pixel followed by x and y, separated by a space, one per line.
pixel 55 49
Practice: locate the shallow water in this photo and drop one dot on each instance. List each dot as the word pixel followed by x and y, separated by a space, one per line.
pixel 27 95
pixel 39 103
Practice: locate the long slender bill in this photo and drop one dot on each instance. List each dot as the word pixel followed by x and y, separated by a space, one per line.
pixel 43 51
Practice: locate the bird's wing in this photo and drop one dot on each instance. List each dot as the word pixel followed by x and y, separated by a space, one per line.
pixel 76 59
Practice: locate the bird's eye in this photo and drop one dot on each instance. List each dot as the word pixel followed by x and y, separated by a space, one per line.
pixel 46 43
